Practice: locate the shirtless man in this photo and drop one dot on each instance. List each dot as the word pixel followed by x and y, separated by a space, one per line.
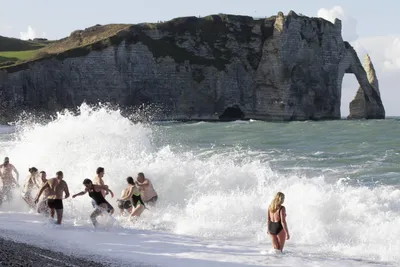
pixel 8 179
pixel 147 192
pixel 42 205
pixel 56 188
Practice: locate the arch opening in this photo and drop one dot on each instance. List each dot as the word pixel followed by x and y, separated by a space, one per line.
pixel 232 114
pixel 350 87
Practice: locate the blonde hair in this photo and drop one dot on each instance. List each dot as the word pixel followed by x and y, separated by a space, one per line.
pixel 277 202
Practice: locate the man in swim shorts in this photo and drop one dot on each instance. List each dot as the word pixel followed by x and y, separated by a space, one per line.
pixel 9 182
pixel 147 192
pixel 57 186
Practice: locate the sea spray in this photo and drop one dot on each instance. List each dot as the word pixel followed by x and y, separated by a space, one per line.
pixel 211 190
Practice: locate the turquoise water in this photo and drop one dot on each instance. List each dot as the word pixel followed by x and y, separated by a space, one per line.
pixel 362 152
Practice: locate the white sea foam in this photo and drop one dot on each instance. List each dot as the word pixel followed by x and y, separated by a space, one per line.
pixel 219 198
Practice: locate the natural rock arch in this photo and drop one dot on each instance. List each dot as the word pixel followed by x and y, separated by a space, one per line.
pixel 367 103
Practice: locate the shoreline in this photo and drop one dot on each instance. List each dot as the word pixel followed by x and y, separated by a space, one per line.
pixel 14 253
pixel 21 249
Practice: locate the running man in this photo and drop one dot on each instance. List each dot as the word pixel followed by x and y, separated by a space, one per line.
pixel 9 182
pixel 147 192
pixel 57 186
pixel 95 192
pixel 42 205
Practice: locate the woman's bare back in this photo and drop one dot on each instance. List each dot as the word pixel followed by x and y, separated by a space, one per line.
pixel 276 216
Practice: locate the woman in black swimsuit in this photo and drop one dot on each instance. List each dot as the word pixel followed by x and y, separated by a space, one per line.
pixel 131 199
pixel 95 193
pixel 277 227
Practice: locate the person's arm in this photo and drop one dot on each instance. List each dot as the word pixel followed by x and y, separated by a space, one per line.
pixel 16 172
pixel 37 183
pixel 145 182
pixel 284 224
pixel 106 189
pixel 79 194
pixel 101 182
pixel 128 195
pixel 268 220
pixel 66 190
pixel 46 185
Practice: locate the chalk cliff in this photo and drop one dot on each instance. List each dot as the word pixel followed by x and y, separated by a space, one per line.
pixel 218 67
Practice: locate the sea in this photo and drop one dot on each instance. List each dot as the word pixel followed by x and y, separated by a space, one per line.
pixel 215 181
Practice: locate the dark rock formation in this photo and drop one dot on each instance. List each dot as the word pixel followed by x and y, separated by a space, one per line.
pixel 217 67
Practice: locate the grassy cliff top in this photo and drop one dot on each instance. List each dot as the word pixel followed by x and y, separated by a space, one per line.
pixel 13 50
pixel 98 37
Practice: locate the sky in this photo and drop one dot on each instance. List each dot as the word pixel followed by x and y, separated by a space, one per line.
pixel 370 26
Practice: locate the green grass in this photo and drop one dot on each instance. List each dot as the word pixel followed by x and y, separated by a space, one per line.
pixel 211 30
pixel 19 55
pixel 14 51
pixel 8 58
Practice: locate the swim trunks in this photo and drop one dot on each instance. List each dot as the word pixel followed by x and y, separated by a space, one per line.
pixel 152 201
pixel 55 204
pixel 124 204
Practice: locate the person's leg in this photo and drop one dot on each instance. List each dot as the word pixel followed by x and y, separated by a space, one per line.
pixel 52 212
pixel 110 209
pixel 42 207
pixel 8 194
pixel 137 211
pixel 59 215
pixel 28 199
pixel 50 204
pixel 59 207
pixel 93 217
pixel 121 207
pixel 128 206
pixel 281 239
pixel 275 242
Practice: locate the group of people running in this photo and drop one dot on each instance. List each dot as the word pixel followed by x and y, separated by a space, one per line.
pixel 49 199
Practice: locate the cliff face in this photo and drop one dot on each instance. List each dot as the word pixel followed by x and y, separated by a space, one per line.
pixel 219 67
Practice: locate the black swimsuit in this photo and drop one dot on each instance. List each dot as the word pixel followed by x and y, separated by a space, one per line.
pixel 99 199
pixel 274 228
pixel 137 199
